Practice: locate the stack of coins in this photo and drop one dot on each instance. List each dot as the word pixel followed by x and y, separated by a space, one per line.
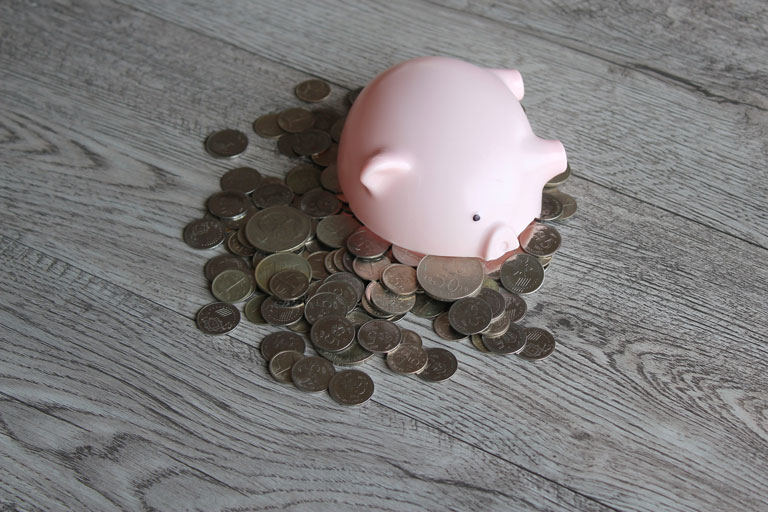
pixel 299 260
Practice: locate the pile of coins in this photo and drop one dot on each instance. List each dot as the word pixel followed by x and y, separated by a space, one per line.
pixel 298 259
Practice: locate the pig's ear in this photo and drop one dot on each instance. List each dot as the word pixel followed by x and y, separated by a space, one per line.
pixel 501 240
pixel 382 170
pixel 512 79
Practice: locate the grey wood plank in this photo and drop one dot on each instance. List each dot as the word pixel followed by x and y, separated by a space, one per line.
pixel 109 402
pixel 626 128
pixel 643 385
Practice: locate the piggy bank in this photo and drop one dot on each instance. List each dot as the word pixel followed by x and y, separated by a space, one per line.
pixel 437 156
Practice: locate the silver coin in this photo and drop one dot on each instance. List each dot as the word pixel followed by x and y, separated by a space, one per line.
pixel 511 342
pixel 522 273
pixel 400 279
pixel 407 359
pixel 364 243
pixel 233 286
pixel 281 312
pixel 448 279
pixel 538 344
pixel 302 178
pixel 351 387
pixel 329 179
pixel 281 363
pixel 204 233
pixel 272 194
pixel 427 307
pixel 241 221
pixel 226 143
pixel 295 120
pixel 312 374
pixel 560 178
pixel 344 291
pixel 352 356
pixel 241 179
pixel 332 333
pixel 495 300
pixel 313 90
pixel 379 336
pixel 389 302
pixel 289 284
pixel 551 207
pixel 222 262
pixel 280 341
pixel 568 202
pixel 470 315
pixel 315 261
pixel 278 229
pixel 323 304
pixel 374 311
pixel 266 126
pixel 319 203
pixel 477 341
pixel 236 247
pixel 351 279
pixel 277 262
pixel 252 309
pixel 334 230
pixel 441 365
pixel 540 239
pixel 498 326
pixel 442 327
pixel 515 305
pixel 301 326
pixel 409 337
pixel 370 270
pixel 406 257
pixel 218 318
pixel 358 317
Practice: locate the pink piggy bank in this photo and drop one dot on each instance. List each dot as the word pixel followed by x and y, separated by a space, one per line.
pixel 437 156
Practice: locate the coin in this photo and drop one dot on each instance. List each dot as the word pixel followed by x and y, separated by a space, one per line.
pixel 409 337
pixel 295 120
pixel 336 129
pixel 511 342
pixel 281 363
pixel 252 309
pixel 379 336
pixel 427 307
pixel 374 311
pixel 281 313
pixel 470 315
pixel 312 374
pixel 204 233
pixel 278 229
pixel 311 142
pixel 389 302
pixel 407 359
pixel 551 208
pixel 266 126
pixel 313 91
pixel 352 280
pixel 232 286
pixel 344 291
pixel 275 263
pixel 352 356
pixel 329 179
pixel 240 221
pixel 324 118
pixel 226 143
pixel 495 300
pixel 498 326
pixel 228 204
pixel 351 387
pixel 222 262
pixel 319 203
pixel 364 243
pixel 560 178
pixel 448 278
pixel 400 279
pixel 327 157
pixel 315 261
pixel 342 260
pixel 241 179
pixel 370 270
pixel 442 327
pixel 276 342
pixel 538 344
pixel 285 144
pixel 441 365
pixel 323 304
pixel 522 273
pixel 218 318
pixel 406 257
pixel 516 306
pixel 332 333
pixel 334 230
pixel 302 178
pixel 289 284
pixel 568 202
pixel 477 341
pixel 272 194
pixel 540 239
pixel 236 247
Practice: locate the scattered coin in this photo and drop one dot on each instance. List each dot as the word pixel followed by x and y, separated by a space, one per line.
pixel 228 204
pixel 511 342
pixel 568 202
pixel 329 179
pixel 281 363
pixel 281 313
pixel 276 342
pixel 560 178
pixel 477 341
pixel 334 230
pixel 285 145
pixel 442 327
pixel 427 307
pixel 516 306
pixel 204 233
pixel 379 336
pixel 406 257
pixel 344 290
pixel 538 344
pixel 266 126
pixel 236 247
pixel 332 333
pixel 274 263
pixel 351 387
pixel 272 194
pixel 327 157
pixel 241 179
pixel 278 229
pixel 226 143
pixel 370 270
pixel 252 309
pixel 551 207
pixel 498 326
pixel 311 142
pixel 313 91
pixel 323 304
pixel 448 279
pixel 470 315
pixel 232 286
pixel 336 129
pixel 222 262
pixel 522 273
pixel 319 203
pixel 441 365
pixel 312 374
pixel 302 178
pixel 324 118
pixel 495 300
pixel 218 318
pixel 540 239
pixel 364 243
pixel 289 284
pixel 352 356
pixel 389 302
pixel 350 279
pixel 400 279
pixel 408 337
pixel 407 359
pixel 295 120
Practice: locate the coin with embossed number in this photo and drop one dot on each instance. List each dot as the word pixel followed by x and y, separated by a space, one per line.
pixel 281 363
pixel 427 307
pixel 274 263
pixel 302 178
pixel 442 327
pixel 400 279
pixel 272 194
pixel 352 280
pixel 495 300
pixel 540 239
pixel 568 202
pixel 241 179
pixel 218 318
pixel 551 207
pixel 204 233
pixel 515 305
pixel 313 91
pixel 312 374
pixel 323 304
pixel 538 344
pixel 281 312
pixel 226 143
pixel 289 284
pixel 279 341
pixel 470 315
pixel 311 142
pixel 266 126
pixel 222 262
pixel 295 120
pixel 448 278
pixel 352 356
pixel 477 341
pixel 315 261
pixel 379 336
pixel 334 230
pixel 408 337
pixel 319 203
pixel 511 342
pixel 441 365
pixel 233 286
pixel 252 309
pixel 370 270
pixel 278 229
pixel 522 273
pixel 389 302
pixel 344 290
pixel 364 243
pixel 332 333
pixel 407 359
pixel 351 387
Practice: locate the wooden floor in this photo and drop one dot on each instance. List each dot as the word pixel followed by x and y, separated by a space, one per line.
pixel 111 399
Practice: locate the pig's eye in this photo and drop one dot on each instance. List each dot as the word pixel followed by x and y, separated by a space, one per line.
pixel 475 217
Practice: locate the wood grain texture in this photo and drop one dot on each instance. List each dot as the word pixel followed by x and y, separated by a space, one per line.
pixel 111 399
